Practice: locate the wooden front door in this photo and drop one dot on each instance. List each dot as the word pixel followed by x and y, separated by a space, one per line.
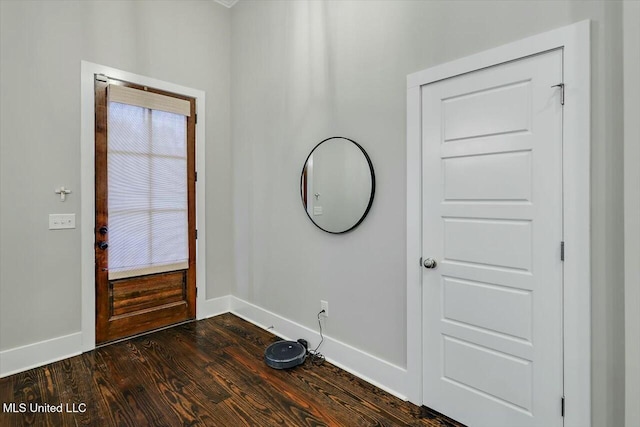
pixel 145 232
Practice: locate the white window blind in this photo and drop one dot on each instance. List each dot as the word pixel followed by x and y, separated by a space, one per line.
pixel 147 189
pixel 150 100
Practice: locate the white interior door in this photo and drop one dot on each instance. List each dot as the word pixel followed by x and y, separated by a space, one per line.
pixel 492 221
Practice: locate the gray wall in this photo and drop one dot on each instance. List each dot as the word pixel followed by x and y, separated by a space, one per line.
pixel 42 44
pixel 303 71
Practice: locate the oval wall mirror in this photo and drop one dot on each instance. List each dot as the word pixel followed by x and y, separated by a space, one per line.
pixel 337 185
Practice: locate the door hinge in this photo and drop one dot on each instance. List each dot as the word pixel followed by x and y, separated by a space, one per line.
pixel 196 118
pixel 102 78
pixel 561 86
pixel 196 292
pixel 561 251
pixel 196 177
pixel 196 233
pixel 562 406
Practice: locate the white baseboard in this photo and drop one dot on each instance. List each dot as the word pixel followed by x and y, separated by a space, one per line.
pixel 382 374
pixel 391 378
pixel 213 307
pixel 30 356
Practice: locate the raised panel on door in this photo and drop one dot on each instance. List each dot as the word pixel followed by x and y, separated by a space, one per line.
pixel 492 218
pixel 470 302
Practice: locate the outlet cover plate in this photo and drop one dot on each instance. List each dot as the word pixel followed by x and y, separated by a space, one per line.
pixel 324 305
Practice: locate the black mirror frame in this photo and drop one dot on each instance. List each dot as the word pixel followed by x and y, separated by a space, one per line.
pixel 373 184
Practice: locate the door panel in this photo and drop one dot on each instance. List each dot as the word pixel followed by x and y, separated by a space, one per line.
pixel 491 111
pixel 145 210
pixel 467 367
pixel 464 302
pixel 147 292
pixel 492 218
pixel 510 247
pixel 504 176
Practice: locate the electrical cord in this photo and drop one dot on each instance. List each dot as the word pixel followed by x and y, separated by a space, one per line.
pixel 316 357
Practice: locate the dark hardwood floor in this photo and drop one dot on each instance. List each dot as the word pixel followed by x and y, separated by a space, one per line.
pixel 205 373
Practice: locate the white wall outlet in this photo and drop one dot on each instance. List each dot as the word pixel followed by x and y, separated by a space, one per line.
pixel 324 305
pixel 62 221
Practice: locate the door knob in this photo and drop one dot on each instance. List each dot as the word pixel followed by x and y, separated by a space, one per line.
pixel 103 229
pixel 103 245
pixel 430 263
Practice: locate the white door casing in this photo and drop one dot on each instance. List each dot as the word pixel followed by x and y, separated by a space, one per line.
pixel 492 219
pixel 574 41
pixel 87 192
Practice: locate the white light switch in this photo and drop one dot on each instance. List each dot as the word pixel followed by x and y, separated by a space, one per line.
pixel 61 221
pixel 317 210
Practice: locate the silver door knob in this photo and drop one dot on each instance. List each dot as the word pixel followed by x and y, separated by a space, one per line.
pixel 430 263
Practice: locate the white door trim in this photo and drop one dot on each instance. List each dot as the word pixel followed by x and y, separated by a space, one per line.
pixel 631 13
pixel 575 42
pixel 87 190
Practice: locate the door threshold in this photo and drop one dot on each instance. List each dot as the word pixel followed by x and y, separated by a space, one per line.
pixel 104 344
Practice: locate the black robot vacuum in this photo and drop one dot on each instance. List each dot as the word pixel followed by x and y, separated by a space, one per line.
pixel 286 354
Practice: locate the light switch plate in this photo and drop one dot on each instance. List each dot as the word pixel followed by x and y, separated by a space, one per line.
pixel 62 221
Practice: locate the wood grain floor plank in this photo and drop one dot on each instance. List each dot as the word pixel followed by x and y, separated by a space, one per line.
pixel 264 401
pixel 191 359
pixel 288 385
pixel 205 373
pixel 261 339
pixel 180 385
